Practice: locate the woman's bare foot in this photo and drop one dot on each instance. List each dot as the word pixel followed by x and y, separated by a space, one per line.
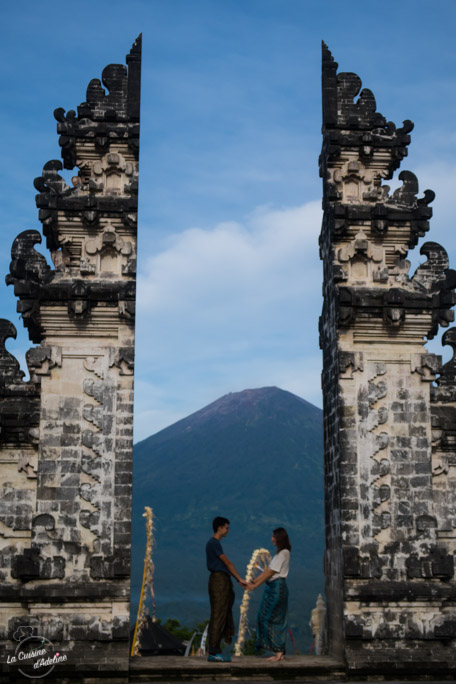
pixel 275 658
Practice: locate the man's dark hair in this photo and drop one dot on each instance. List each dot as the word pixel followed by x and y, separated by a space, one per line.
pixel 219 522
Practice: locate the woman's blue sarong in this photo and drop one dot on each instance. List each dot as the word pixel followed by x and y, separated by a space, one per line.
pixel 272 618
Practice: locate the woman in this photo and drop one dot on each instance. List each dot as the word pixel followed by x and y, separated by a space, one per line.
pixel 272 615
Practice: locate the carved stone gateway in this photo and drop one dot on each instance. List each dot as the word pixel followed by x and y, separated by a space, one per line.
pixel 66 435
pixel 389 405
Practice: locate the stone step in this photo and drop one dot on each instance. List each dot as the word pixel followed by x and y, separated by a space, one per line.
pixel 180 668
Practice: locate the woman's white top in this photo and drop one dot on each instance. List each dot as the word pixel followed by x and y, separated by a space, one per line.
pixel 280 564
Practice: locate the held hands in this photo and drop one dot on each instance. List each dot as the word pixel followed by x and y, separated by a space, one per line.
pixel 246 585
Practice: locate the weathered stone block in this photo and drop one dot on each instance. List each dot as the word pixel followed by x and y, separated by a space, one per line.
pixel 26 566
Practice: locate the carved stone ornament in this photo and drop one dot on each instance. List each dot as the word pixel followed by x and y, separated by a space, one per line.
pixel 361 246
pixel 113 175
pixel 9 366
pixel 108 239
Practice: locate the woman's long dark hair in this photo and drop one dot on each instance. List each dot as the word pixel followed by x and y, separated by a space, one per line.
pixel 281 537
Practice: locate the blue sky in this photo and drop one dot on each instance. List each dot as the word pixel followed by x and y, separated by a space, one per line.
pixel 229 278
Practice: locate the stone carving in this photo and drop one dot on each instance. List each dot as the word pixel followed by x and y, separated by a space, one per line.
pixel 446 384
pixel 41 360
pixel 124 360
pixel 28 273
pixel 405 195
pixel 390 417
pixel 19 404
pixel 443 414
pixel 111 251
pixel 430 275
pixel 50 184
pixel 350 362
pixel 28 266
pixel 9 366
pixel 66 435
pixel 113 103
pixel 103 116
pixel 363 126
pixel 114 175
pixel 317 625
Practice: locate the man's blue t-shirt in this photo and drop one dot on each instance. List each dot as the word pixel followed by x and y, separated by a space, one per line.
pixel 213 551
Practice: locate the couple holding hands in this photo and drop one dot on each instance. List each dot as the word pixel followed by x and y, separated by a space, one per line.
pixel 272 614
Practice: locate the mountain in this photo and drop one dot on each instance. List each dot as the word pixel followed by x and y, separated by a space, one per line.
pixel 255 457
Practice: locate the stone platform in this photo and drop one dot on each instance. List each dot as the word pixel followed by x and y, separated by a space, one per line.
pixel 242 668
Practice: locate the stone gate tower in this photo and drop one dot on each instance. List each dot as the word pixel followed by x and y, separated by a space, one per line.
pixel 66 435
pixel 389 405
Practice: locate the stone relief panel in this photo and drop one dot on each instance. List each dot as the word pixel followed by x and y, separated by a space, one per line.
pixel 108 254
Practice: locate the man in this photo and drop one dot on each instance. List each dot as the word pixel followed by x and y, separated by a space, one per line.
pixel 221 592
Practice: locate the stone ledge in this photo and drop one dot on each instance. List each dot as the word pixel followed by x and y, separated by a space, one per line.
pixel 179 668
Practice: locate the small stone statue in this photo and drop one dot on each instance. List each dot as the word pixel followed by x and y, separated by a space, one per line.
pixel 317 625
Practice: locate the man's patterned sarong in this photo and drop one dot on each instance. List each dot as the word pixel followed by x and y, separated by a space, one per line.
pixel 272 618
pixel 221 625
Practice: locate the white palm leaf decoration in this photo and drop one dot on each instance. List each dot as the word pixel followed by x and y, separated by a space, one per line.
pixel 147 583
pixel 259 561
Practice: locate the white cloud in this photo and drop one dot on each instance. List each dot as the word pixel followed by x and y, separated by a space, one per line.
pixel 226 309
pixel 237 307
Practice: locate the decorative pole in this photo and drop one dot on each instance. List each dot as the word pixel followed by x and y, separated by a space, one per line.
pixel 147 583
pixel 260 557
